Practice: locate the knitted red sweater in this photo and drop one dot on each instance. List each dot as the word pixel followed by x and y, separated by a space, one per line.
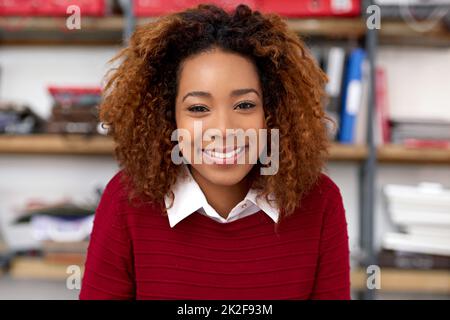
pixel 135 254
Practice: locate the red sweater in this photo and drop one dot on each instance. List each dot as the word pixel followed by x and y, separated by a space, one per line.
pixel 135 254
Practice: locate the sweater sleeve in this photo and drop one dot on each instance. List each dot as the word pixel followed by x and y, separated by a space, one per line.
pixel 108 270
pixel 333 272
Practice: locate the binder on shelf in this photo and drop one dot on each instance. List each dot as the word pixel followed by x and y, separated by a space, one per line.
pixel 334 68
pixel 351 97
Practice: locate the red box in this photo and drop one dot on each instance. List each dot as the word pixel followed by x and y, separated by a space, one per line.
pixel 150 8
pixel 312 8
pixel 59 7
pixel 17 7
pixel 50 7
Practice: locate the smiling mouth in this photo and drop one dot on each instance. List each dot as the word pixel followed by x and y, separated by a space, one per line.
pixel 226 156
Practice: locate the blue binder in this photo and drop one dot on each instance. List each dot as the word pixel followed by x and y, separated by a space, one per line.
pixel 351 97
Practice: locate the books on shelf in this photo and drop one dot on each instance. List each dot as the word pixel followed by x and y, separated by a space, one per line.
pixel 419 133
pixel 422 216
pixel 347 92
pixel 408 242
pixel 381 129
pixel 412 260
pixel 19 119
pixel 411 133
pixel 419 95
pixel 75 110
pixel 427 204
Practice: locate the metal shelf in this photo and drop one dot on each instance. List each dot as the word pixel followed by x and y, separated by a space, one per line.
pixel 110 30
pixel 398 154
pixel 392 280
pixel 56 144
pixel 404 280
pixel 101 145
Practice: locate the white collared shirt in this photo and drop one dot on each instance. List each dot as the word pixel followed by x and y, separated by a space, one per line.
pixel 189 198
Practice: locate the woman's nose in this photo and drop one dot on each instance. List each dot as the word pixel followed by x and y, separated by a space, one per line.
pixel 222 121
pixel 221 127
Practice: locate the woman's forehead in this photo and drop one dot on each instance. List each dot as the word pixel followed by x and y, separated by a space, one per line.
pixel 218 72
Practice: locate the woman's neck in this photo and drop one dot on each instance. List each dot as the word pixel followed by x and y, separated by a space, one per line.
pixel 222 198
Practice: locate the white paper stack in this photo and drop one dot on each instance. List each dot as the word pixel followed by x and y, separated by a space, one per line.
pixel 422 215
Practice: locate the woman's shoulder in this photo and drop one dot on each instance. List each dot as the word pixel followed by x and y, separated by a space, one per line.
pixel 115 204
pixel 119 192
pixel 324 191
pixel 327 184
pixel 116 186
pixel 324 185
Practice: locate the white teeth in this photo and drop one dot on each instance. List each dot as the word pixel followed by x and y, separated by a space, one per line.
pixel 220 155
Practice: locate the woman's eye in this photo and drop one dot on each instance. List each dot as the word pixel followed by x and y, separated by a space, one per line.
pixel 245 105
pixel 198 109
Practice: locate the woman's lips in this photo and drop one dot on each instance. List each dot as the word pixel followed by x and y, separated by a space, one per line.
pixel 229 155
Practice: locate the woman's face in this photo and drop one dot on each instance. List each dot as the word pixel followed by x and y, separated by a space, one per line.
pixel 219 91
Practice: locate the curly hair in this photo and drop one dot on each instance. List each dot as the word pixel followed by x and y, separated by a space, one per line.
pixel 139 98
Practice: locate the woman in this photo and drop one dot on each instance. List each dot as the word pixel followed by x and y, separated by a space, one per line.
pixel 216 225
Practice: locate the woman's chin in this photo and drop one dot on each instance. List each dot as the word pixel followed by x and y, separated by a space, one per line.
pixel 224 175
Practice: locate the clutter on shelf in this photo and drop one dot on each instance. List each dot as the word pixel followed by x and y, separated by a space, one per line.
pixel 74 110
pixel 19 119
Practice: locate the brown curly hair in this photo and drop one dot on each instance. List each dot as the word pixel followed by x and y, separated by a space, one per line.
pixel 139 98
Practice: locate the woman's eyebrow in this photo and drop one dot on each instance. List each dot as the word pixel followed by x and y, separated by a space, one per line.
pixel 240 92
pixel 234 93
pixel 197 94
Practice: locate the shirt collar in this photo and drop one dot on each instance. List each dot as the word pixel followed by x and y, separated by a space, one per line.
pixel 189 198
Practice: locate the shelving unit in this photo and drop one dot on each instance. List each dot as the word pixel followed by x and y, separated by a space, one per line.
pixel 398 154
pixel 45 144
pixel 409 281
pixel 101 145
pixel 53 31
pixel 392 280
pixel 419 281
pixel 112 30
pixel 35 268
pixel 393 32
pixel 56 144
